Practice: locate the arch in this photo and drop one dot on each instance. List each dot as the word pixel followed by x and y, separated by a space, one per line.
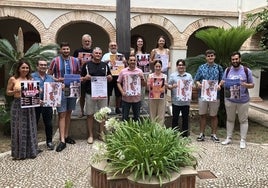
pixel 205 22
pixel 76 16
pixel 24 15
pixel 161 21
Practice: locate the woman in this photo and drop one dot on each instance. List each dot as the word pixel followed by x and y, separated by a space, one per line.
pixel 161 52
pixel 157 82
pixel 23 121
pixel 140 47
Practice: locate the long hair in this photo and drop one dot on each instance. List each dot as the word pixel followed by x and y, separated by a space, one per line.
pixel 142 48
pixel 17 72
pixel 165 45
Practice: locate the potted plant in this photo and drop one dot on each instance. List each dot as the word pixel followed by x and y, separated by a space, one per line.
pixel 140 153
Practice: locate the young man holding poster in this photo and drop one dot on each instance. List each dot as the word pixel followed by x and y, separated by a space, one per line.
pixel 237 103
pixel 180 84
pixel 129 83
pixel 91 72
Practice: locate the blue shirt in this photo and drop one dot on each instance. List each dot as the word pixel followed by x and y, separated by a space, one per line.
pixel 173 79
pixel 48 78
pixel 209 72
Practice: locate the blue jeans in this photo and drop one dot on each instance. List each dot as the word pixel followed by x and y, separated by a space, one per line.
pixel 185 118
pixel 135 109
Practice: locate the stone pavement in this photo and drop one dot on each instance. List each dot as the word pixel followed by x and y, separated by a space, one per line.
pixel 233 167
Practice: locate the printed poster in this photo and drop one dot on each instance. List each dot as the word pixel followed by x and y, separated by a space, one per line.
pixel 143 62
pixel 72 85
pixel 30 94
pixel 165 59
pixel 132 85
pixel 99 87
pixel 184 90
pixel 116 64
pixel 84 56
pixel 209 90
pixel 157 88
pixel 52 94
pixel 232 89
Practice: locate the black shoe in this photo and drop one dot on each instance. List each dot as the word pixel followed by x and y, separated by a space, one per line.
pixel 39 151
pixel 118 111
pixel 214 138
pixel 50 146
pixel 61 147
pixel 69 140
pixel 201 137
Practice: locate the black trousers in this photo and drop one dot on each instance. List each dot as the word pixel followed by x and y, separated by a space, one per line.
pixel 185 118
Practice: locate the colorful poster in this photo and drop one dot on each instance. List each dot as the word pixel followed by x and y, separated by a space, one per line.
pixel 84 56
pixel 157 88
pixel 99 87
pixel 116 64
pixel 52 94
pixel 132 85
pixel 165 59
pixel 209 90
pixel 232 89
pixel 184 90
pixel 30 94
pixel 143 62
pixel 72 85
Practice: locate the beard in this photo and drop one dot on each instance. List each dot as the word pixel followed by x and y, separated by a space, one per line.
pixel 236 64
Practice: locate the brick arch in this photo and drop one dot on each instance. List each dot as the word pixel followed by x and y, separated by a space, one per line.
pixel 82 16
pixel 205 22
pixel 24 15
pixel 161 21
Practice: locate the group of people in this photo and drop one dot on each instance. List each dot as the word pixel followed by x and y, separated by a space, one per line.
pixel 24 120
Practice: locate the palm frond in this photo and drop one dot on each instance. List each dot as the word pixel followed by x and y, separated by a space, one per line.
pixel 192 63
pixel 255 60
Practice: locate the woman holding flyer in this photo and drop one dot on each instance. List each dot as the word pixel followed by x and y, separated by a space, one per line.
pixel 157 82
pixel 23 121
pixel 180 84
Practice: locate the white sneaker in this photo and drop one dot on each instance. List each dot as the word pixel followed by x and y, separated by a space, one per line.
pixel 242 144
pixel 226 141
pixel 90 140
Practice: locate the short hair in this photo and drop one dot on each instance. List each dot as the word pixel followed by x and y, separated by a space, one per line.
pixel 180 60
pixel 210 51
pixel 96 48
pixel 236 53
pixel 62 44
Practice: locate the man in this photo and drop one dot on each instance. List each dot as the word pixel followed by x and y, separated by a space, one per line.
pixel 113 84
pixel 178 105
pixel 239 104
pixel 47 112
pixel 128 99
pixel 86 48
pixel 61 65
pixel 208 71
pixel 94 68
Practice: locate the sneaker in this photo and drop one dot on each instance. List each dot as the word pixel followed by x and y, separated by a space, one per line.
pixel 214 138
pixel 226 141
pixel 90 140
pixel 50 146
pixel 69 140
pixel 242 144
pixel 118 111
pixel 201 137
pixel 61 147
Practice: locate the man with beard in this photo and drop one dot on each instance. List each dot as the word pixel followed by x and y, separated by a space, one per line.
pixel 61 65
pixel 84 50
pixel 238 105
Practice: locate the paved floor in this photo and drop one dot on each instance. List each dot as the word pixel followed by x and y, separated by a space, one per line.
pixel 233 167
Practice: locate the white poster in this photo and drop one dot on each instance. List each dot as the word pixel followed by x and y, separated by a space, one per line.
pixel 99 87
pixel 184 90
pixel 209 90
pixel 132 85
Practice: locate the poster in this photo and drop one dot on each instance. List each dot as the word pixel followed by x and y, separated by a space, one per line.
pixel 72 85
pixel 232 89
pixel 99 87
pixel 116 64
pixel 132 85
pixel 84 56
pixel 209 90
pixel 30 94
pixel 52 94
pixel 184 90
pixel 157 88
pixel 143 62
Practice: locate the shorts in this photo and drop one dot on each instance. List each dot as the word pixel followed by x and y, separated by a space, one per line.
pixel 67 104
pixel 113 86
pixel 210 108
pixel 93 105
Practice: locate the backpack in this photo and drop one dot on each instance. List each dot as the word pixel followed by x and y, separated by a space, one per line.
pixel 245 70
